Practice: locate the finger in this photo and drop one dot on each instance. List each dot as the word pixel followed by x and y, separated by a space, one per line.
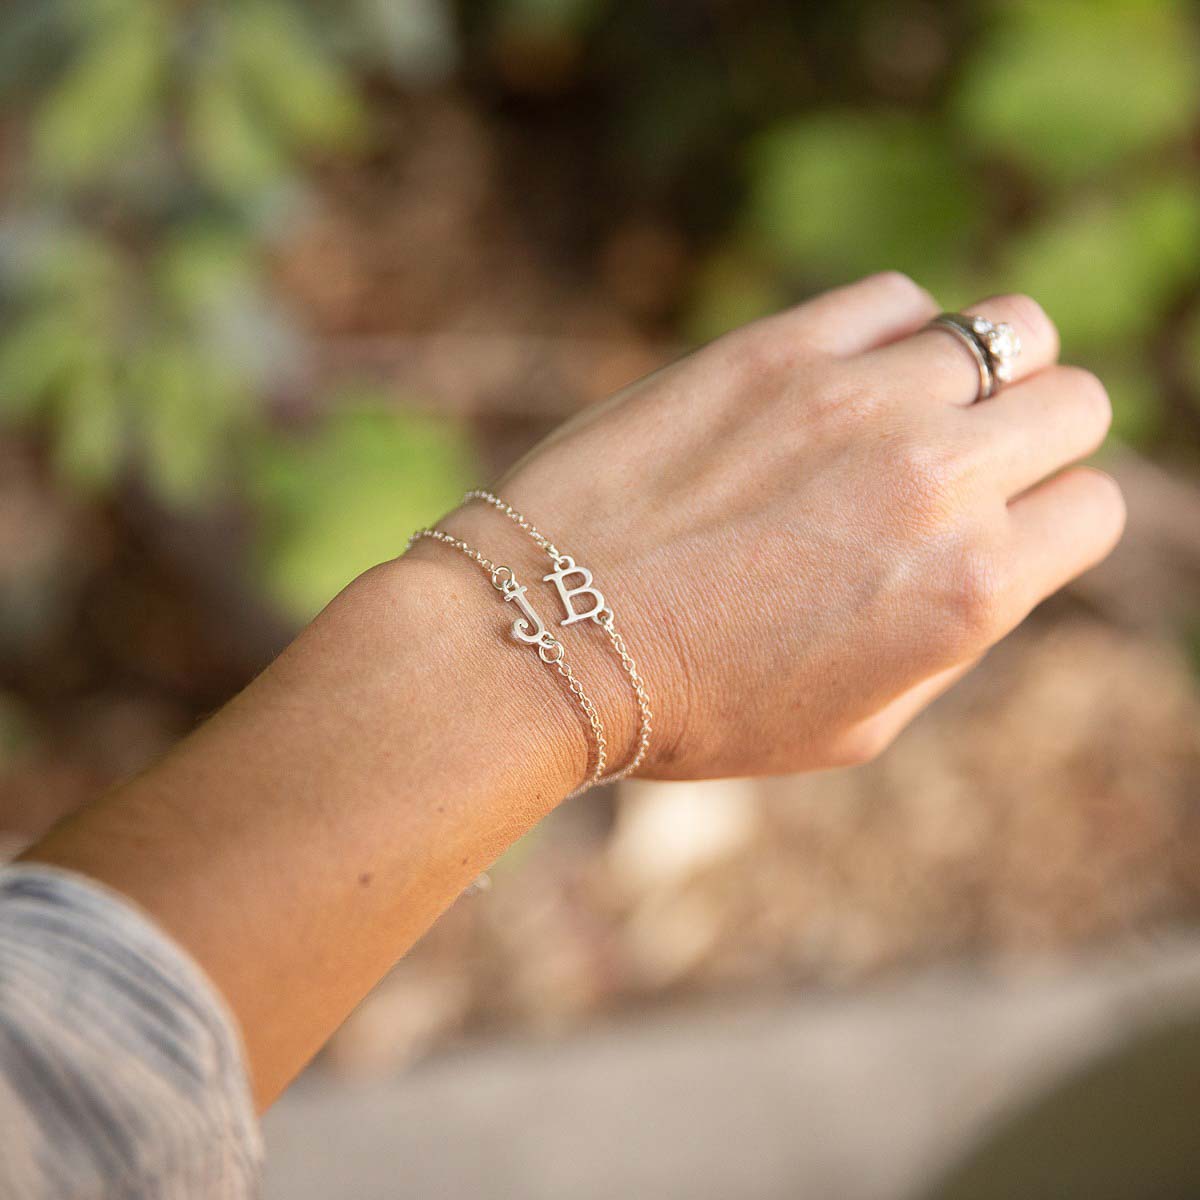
pixel 933 365
pixel 1063 527
pixel 1028 432
pixel 855 318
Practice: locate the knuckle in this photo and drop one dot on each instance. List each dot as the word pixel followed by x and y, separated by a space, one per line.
pixel 902 285
pixel 924 474
pixel 758 355
pixel 860 745
pixel 973 597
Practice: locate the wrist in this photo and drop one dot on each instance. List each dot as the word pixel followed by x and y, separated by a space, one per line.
pixel 433 621
pixel 590 662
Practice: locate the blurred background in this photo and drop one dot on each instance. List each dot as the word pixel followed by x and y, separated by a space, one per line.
pixel 278 280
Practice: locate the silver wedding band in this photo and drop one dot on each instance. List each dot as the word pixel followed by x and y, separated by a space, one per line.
pixel 993 347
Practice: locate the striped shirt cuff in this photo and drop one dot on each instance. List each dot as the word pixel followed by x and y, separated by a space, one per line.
pixel 121 1069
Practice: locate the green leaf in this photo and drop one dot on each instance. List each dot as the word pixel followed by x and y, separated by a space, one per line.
pixel 68 289
pixel 1068 89
pixel 36 356
pixel 348 495
pixel 89 430
pixel 848 193
pixel 1104 268
pixel 208 283
pixel 284 70
pixel 70 268
pixel 188 403
pixel 235 152
pixel 107 103
pixel 201 268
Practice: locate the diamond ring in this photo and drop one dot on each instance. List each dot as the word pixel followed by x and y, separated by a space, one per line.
pixel 994 347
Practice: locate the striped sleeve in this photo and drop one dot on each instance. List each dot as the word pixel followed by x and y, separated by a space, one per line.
pixel 121 1071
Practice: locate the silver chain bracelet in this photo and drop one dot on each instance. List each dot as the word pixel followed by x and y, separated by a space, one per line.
pixel 528 628
pixel 600 613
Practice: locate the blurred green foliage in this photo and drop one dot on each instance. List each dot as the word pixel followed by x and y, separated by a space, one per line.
pixel 1054 155
pixel 980 145
pixel 164 147
pixel 838 193
pixel 326 524
pixel 1069 90
pixel 1108 265
pixel 159 138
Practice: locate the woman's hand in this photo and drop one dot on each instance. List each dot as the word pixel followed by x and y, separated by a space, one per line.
pixel 807 529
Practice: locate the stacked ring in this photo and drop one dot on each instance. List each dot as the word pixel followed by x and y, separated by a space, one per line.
pixel 994 347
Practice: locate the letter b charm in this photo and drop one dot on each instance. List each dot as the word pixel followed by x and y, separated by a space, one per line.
pixel 565 567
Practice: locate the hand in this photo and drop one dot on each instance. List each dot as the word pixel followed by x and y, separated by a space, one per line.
pixel 807 529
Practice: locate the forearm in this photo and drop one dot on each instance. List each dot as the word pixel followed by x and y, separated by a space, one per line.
pixel 301 840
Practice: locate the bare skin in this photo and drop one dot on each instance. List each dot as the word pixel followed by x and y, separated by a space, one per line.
pixel 807 531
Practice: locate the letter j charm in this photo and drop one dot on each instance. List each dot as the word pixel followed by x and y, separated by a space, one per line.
pixel 529 628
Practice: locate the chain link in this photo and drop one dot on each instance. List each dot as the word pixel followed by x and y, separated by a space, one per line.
pixel 549 649
pixel 439 535
pixel 640 694
pixel 604 618
pixel 512 514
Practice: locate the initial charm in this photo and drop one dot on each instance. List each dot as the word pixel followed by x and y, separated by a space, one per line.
pixel 528 628
pixel 566 566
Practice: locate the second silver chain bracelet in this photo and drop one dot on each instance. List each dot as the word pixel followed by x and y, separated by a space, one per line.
pixel 600 613
pixel 530 629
